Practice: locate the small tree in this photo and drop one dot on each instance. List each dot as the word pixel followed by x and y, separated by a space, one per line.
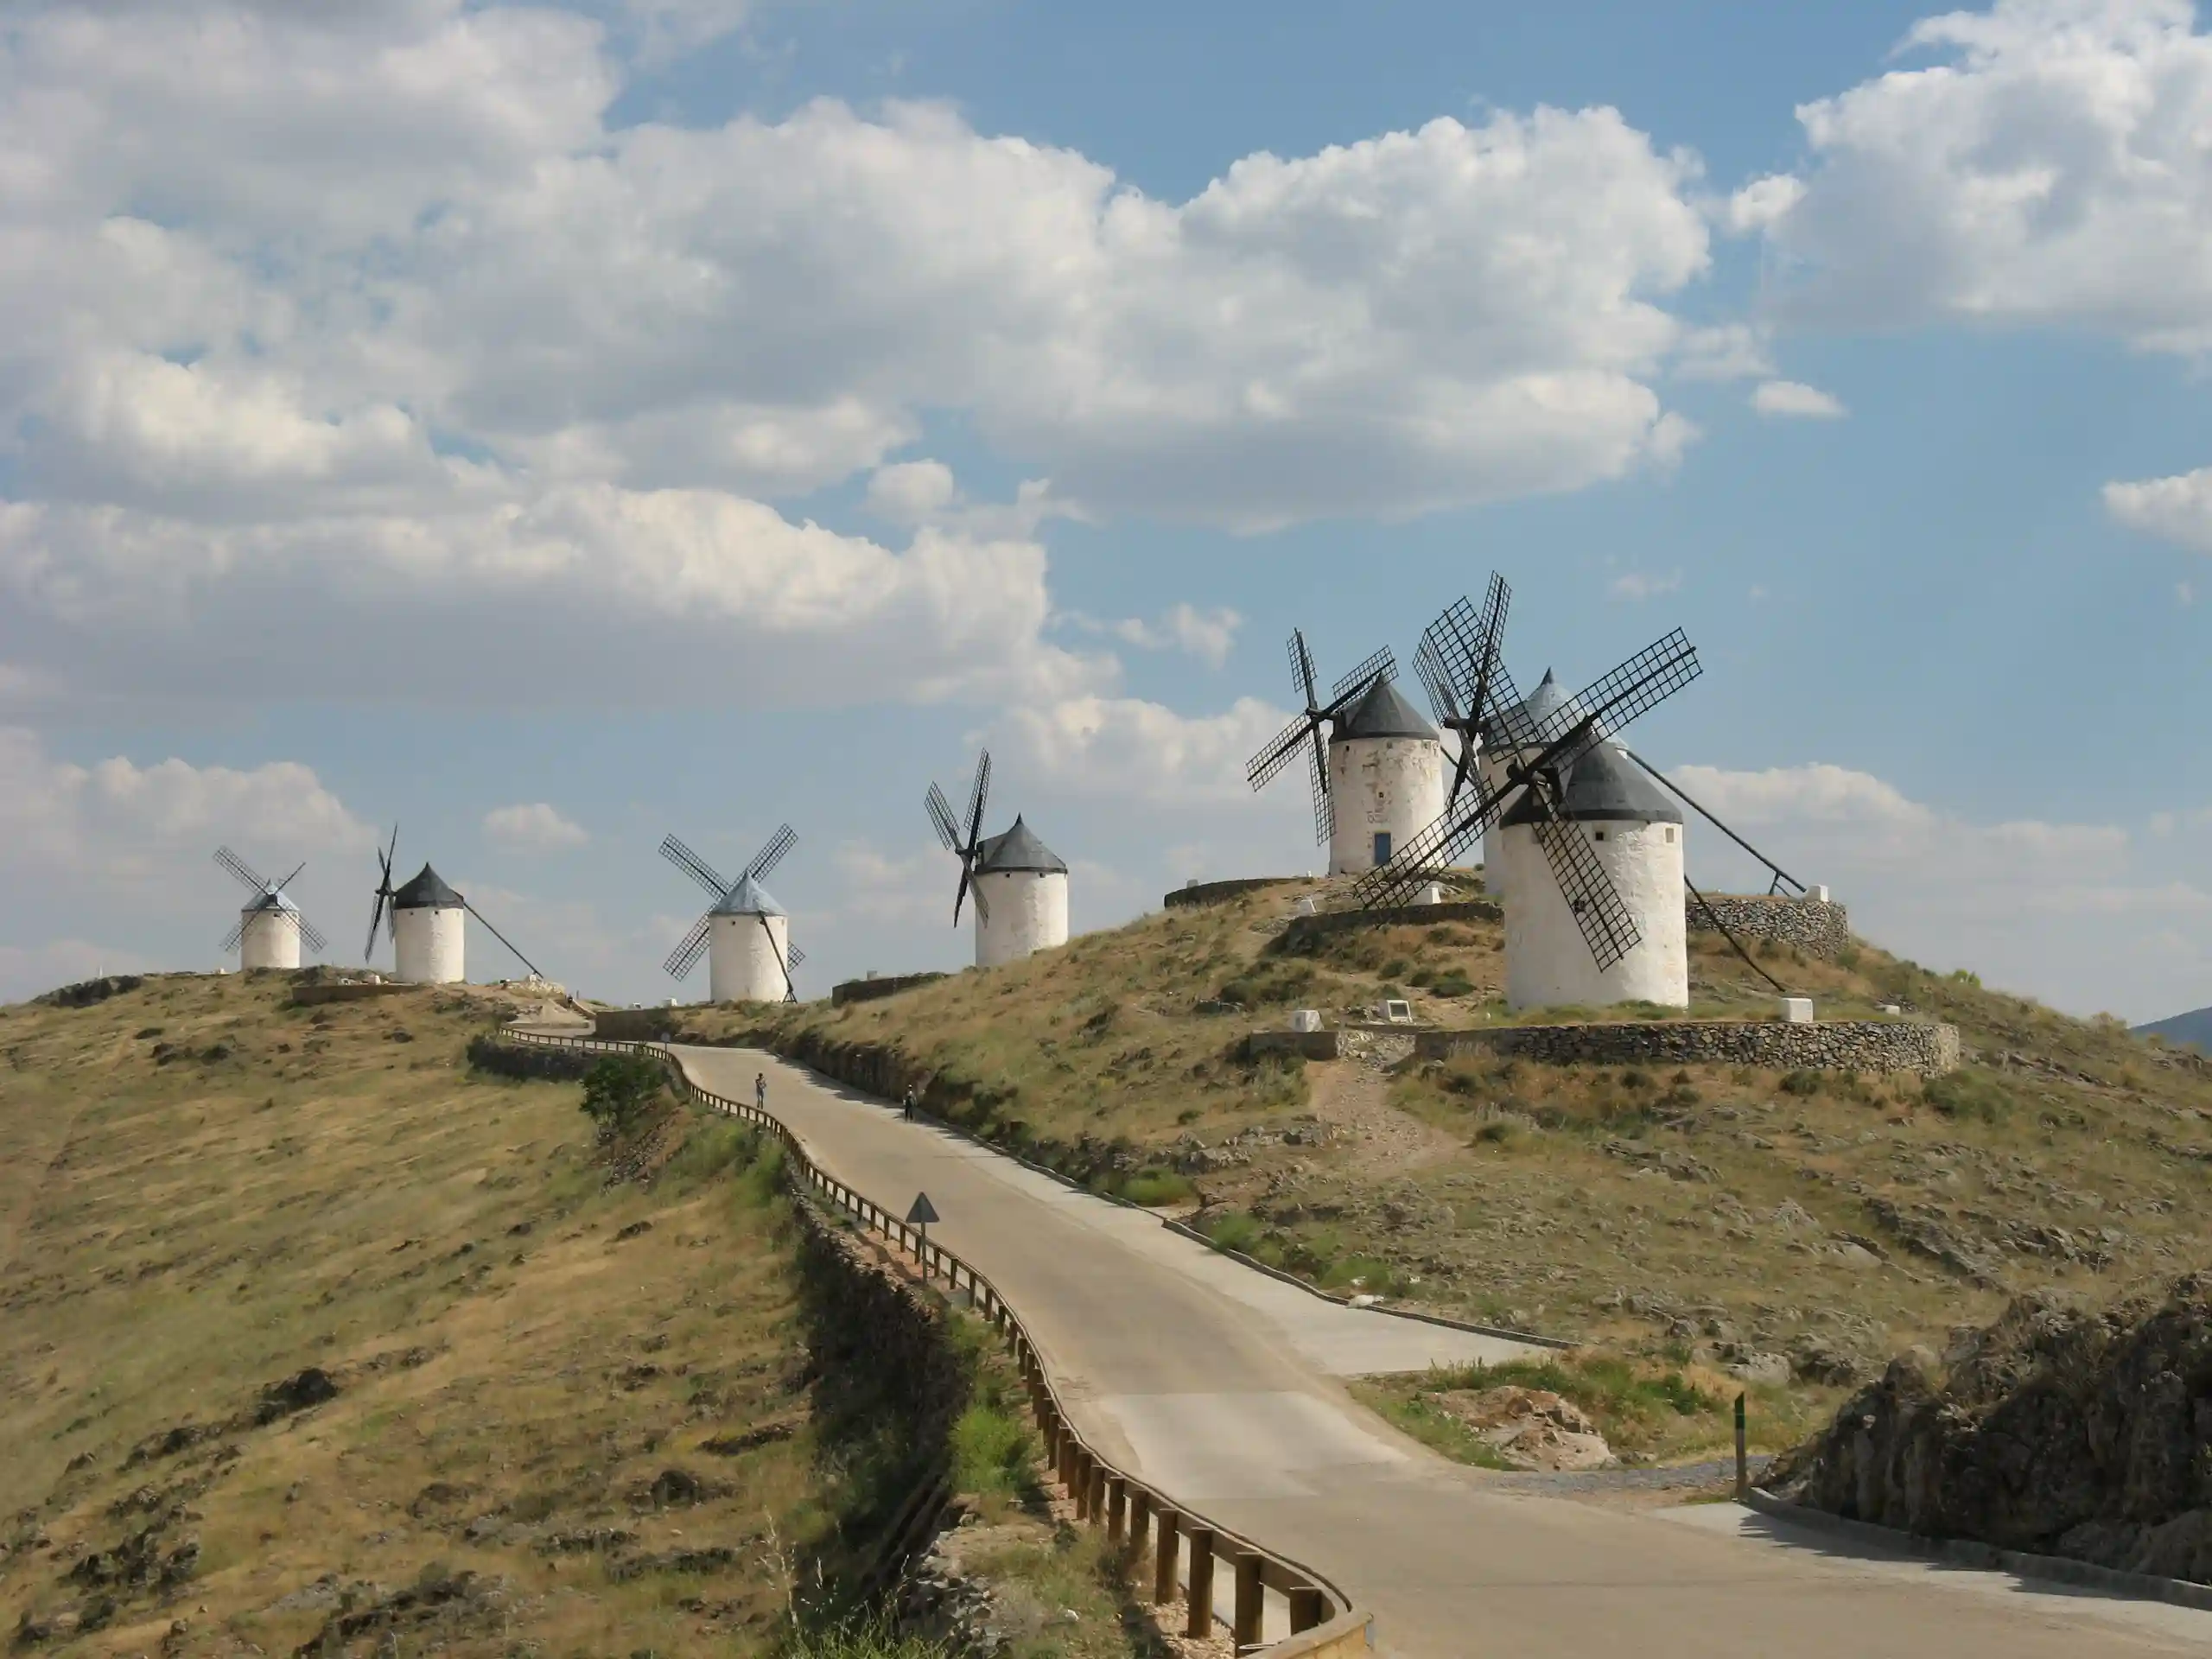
pixel 618 1090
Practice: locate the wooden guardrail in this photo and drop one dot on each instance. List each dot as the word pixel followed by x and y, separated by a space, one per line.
pixel 1183 1545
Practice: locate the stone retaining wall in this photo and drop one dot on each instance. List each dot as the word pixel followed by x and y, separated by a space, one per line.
pixel 307 996
pixel 1816 926
pixel 1828 1045
pixel 1215 893
pixel 1313 1045
pixel 867 990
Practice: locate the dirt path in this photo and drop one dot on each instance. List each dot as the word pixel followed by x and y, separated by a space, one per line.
pixel 1350 1096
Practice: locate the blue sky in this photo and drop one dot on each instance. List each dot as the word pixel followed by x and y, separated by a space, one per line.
pixel 550 429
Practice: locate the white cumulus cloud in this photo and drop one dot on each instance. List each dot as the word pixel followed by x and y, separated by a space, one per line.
pixel 1796 400
pixel 532 827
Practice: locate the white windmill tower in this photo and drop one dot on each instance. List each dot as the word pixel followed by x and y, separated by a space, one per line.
pixel 1590 856
pixel 426 920
pixel 746 934
pixel 1380 779
pixel 270 927
pixel 1021 884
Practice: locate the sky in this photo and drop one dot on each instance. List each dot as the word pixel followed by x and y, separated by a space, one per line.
pixel 542 430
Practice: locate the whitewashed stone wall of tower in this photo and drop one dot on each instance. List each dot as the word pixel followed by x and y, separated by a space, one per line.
pixel 271 939
pixel 1386 786
pixel 1023 912
pixel 427 946
pixel 744 959
pixel 1547 964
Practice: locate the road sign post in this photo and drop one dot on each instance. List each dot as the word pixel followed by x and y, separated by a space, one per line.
pixel 919 1214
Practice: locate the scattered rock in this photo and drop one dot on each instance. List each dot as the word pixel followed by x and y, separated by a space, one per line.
pixel 311 1387
pixel 1532 1429
pixel 633 1230
pixel 732 1445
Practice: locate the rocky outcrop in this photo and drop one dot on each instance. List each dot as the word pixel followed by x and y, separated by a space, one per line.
pixel 2058 1430
pixel 1530 1428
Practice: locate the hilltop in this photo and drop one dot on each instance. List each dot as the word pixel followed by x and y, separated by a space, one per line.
pixel 1797 1228
pixel 316 1340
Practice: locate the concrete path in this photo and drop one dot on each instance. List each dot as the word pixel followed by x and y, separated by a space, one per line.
pixel 1217 1384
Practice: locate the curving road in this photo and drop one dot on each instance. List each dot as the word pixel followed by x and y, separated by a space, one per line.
pixel 1217 1385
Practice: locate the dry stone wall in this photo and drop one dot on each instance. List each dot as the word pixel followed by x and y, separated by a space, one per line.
pixel 869 990
pixel 1816 926
pixel 1343 921
pixel 1824 1045
pixel 1217 893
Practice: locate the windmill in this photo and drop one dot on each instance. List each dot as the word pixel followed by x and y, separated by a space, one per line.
pixel 424 919
pixel 1304 733
pixel 270 926
pixel 744 933
pixel 1021 884
pixel 968 846
pixel 1556 775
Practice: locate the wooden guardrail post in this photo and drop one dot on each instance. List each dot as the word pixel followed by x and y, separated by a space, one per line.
pixel 1098 1478
pixel 1140 1518
pixel 1245 1626
pixel 1743 1462
pixel 1165 1525
pixel 1198 1621
pixel 1308 1607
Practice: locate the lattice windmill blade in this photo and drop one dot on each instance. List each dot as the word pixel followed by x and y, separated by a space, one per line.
pixel 1324 820
pixel 1607 927
pixel 307 931
pixel 1301 670
pixel 230 939
pixel 682 960
pixel 1262 767
pixel 1604 706
pixel 247 877
pixel 1382 665
pixel 381 910
pixel 1412 867
pixel 694 866
pixel 979 796
pixel 765 861
pixel 940 811
pixel 1436 680
pixel 797 957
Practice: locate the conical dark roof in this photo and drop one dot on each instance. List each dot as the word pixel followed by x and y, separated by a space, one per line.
pixel 1018 849
pixel 270 900
pixel 748 898
pixel 428 891
pixel 1606 786
pixel 1383 712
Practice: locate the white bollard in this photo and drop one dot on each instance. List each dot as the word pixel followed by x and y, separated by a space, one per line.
pixel 1797 1010
pixel 1306 1020
pixel 1816 894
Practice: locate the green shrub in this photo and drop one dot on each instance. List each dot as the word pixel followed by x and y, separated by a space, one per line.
pixel 1157 1186
pixel 621 1089
pixel 1968 1094
pixel 1452 983
pixel 1234 1230
pixel 1802 1082
pixel 990 1450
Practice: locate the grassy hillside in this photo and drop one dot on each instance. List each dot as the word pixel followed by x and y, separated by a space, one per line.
pixel 310 1335
pixel 1712 1214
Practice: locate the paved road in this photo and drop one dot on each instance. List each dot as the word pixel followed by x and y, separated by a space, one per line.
pixel 1218 1385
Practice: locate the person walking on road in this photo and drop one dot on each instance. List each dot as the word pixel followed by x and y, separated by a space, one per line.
pixel 907 1106
pixel 760 1091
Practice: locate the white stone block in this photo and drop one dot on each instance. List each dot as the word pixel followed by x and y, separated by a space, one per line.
pixel 1816 894
pixel 1397 1013
pixel 1431 894
pixel 1889 1007
pixel 1306 1020
pixel 1303 907
pixel 1797 1010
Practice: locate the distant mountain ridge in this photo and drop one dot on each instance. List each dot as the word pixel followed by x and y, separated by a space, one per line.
pixel 2193 1029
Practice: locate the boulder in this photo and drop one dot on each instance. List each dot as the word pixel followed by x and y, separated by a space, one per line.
pixel 1531 1428
pixel 2059 1429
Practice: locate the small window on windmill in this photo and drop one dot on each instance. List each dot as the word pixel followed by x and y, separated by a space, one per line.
pixel 1596 834
pixel 1670 834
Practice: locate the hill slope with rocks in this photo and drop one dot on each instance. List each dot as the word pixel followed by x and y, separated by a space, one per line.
pixel 1796 1228
pixel 314 1338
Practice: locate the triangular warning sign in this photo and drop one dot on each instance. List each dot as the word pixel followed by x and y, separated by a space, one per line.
pixel 923 1213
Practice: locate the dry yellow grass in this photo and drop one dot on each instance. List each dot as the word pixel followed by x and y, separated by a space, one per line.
pixel 1699 1215
pixel 337 1190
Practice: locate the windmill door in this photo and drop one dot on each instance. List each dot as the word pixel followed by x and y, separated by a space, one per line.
pixel 1382 847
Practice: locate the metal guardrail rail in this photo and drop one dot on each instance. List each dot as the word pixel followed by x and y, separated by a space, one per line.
pixel 1184 1545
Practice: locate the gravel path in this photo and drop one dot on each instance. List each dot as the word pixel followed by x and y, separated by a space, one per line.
pixel 1681 1477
